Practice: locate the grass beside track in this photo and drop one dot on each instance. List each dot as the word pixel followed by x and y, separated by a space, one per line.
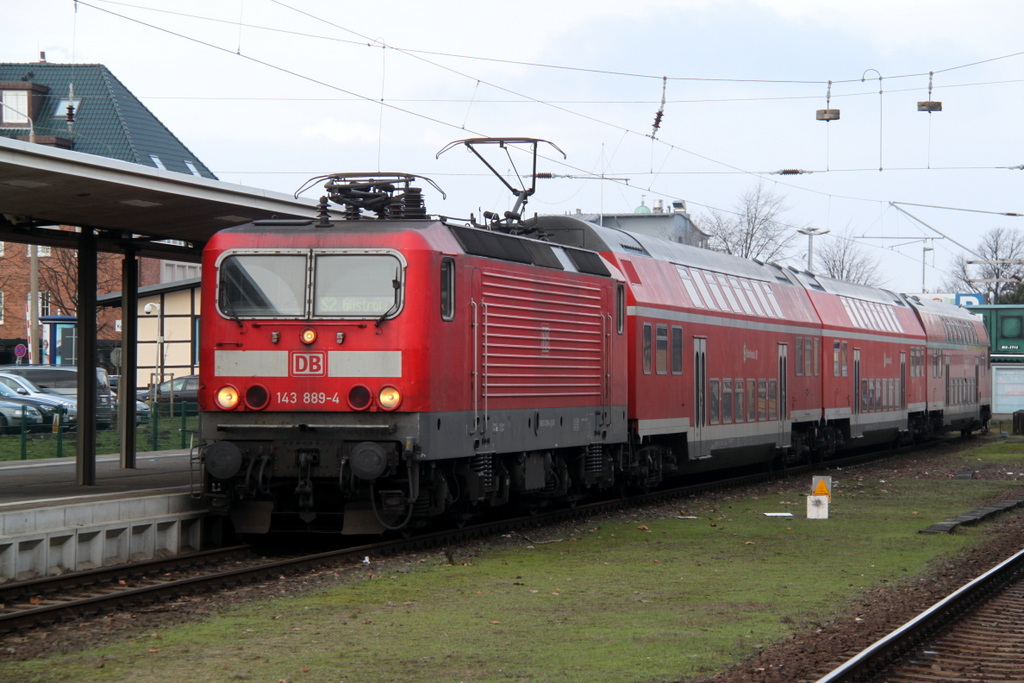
pixel 644 599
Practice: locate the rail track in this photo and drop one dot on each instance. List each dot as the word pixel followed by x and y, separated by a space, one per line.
pixel 81 594
pixel 974 634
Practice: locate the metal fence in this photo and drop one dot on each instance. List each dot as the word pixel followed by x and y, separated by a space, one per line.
pixel 166 428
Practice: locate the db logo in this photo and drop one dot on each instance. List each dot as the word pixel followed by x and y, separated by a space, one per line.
pixel 309 364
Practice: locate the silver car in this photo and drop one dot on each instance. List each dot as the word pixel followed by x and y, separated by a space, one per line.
pixel 11 416
pixel 26 388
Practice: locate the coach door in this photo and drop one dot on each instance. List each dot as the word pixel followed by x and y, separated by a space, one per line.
pixel 783 386
pixel 903 380
pixel 856 381
pixel 700 388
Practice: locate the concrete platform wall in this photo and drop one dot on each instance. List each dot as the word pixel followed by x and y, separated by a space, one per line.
pixel 47 541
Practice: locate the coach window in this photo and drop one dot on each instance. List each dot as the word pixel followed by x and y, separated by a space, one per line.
pixel 846 355
pixel 737 398
pixel 726 401
pixel 808 357
pixel 677 350
pixel 799 365
pixel 835 358
pixel 447 289
pixel 714 401
pixel 620 308
pixel 773 399
pixel 817 357
pixel 762 399
pixel 647 348
pixel 751 400
pixel 661 353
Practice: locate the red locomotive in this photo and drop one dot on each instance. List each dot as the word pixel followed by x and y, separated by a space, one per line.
pixel 374 373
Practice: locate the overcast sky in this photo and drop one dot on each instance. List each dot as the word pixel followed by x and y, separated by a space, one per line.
pixel 268 93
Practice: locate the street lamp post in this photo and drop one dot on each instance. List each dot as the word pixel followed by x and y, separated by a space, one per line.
pixel 924 254
pixel 811 232
pixel 31 124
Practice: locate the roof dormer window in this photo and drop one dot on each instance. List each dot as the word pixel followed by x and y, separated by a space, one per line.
pixel 14 107
pixel 156 162
pixel 62 107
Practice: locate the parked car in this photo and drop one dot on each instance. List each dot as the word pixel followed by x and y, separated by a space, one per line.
pixel 142 410
pixel 11 415
pixel 183 389
pixel 62 380
pixel 45 407
pixel 24 387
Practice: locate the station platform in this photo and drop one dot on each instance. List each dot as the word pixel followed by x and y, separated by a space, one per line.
pixel 51 525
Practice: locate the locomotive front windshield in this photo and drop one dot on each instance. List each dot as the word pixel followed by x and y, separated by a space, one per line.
pixel 350 285
pixel 281 285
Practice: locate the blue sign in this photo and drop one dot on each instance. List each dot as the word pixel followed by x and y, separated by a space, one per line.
pixel 20 350
pixel 970 299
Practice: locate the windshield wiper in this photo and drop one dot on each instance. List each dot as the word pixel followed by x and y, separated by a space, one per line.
pixel 397 285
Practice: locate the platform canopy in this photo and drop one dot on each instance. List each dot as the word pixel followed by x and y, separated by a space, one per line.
pixel 119 207
pixel 125 203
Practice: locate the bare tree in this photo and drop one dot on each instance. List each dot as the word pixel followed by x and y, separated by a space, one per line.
pixel 1000 282
pixel 58 275
pixel 753 231
pixel 842 258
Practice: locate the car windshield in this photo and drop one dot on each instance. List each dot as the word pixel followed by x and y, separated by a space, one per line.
pixel 27 385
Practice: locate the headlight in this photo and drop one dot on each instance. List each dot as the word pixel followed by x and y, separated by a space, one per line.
pixel 227 397
pixel 389 398
pixel 308 335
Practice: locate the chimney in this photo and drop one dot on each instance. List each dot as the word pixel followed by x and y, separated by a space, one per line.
pixel 42 57
pixel 679 207
pixel 659 207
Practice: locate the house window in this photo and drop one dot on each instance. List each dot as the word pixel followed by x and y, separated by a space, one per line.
pixel 41 250
pixel 44 302
pixel 192 168
pixel 1 248
pixel 62 107
pixel 14 107
pixel 1 308
pixel 157 162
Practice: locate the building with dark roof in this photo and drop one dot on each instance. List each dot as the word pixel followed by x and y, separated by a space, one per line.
pixel 106 118
pixel 84 108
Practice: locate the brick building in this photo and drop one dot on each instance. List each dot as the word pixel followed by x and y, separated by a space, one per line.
pixel 85 108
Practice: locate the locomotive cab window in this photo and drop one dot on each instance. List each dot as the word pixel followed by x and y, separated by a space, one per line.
pixel 447 289
pixel 258 285
pixel 357 285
